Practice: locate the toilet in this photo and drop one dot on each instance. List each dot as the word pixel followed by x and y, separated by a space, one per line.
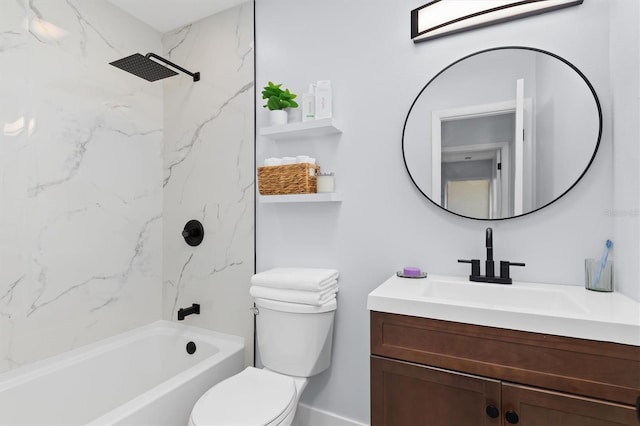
pixel 294 341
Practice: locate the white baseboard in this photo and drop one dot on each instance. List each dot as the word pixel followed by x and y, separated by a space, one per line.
pixel 309 416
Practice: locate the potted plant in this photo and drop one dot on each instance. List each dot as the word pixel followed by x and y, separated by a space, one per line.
pixel 278 101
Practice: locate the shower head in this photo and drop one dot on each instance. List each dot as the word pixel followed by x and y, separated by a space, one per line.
pixel 145 67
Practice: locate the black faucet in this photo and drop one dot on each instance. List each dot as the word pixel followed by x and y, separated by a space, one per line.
pixel 183 312
pixel 490 276
pixel 488 264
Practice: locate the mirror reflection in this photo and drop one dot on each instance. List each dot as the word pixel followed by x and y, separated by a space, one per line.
pixel 502 133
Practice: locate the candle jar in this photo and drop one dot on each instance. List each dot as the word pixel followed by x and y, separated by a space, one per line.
pixel 325 182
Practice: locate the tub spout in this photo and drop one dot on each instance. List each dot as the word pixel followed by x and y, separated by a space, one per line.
pixel 183 312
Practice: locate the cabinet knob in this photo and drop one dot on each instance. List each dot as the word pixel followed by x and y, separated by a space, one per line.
pixel 512 417
pixel 492 411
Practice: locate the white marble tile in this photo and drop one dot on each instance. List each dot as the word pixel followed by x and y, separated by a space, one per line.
pixel 209 173
pixel 80 178
pixel 92 202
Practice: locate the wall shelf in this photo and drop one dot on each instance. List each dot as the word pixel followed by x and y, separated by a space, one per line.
pixel 302 198
pixel 322 127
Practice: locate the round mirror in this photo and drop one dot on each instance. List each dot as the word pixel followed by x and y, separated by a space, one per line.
pixel 502 133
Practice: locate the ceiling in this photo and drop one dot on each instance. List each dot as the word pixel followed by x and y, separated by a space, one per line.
pixel 167 15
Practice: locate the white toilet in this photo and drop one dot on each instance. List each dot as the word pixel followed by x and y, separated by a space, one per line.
pixel 294 341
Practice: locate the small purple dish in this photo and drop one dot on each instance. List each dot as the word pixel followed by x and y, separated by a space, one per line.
pixel 411 272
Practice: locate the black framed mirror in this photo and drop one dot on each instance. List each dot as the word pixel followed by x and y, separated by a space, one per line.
pixel 502 133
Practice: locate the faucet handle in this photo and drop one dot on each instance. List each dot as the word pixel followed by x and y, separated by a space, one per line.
pixel 504 268
pixel 475 266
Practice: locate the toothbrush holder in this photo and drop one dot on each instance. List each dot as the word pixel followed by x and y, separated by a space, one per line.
pixel 591 281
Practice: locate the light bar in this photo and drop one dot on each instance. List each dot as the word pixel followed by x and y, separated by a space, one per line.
pixel 439 18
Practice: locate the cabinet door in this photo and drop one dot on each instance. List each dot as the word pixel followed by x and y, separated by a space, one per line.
pixel 537 407
pixel 407 394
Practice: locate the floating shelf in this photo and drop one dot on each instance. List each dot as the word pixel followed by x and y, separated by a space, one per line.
pixel 301 129
pixel 302 198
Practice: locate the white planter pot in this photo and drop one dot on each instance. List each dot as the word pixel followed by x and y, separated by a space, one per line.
pixel 278 117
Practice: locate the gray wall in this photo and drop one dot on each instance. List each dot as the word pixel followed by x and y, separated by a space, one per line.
pixel 564 142
pixel 384 223
pixel 625 94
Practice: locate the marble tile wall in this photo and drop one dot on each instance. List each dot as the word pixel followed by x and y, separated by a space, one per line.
pixel 209 172
pixel 81 178
pixel 88 153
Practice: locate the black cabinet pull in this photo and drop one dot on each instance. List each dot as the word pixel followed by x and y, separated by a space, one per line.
pixel 492 411
pixel 638 408
pixel 512 417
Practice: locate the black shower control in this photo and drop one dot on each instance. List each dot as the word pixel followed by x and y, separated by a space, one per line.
pixel 193 233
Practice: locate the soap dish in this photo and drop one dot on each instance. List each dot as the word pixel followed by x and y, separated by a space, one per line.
pixel 402 275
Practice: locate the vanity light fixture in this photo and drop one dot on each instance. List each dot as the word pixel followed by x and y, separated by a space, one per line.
pixel 439 18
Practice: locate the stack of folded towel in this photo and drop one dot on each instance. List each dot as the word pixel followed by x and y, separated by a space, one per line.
pixel 309 286
pixel 275 161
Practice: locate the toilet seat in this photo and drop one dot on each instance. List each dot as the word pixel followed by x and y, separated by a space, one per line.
pixel 252 397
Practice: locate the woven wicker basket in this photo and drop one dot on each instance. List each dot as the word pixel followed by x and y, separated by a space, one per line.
pixel 288 179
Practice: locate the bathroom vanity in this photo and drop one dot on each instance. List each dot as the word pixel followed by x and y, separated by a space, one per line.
pixel 445 353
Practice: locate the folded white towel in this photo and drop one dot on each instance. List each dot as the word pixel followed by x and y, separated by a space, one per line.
pixel 315 298
pixel 310 279
pixel 272 161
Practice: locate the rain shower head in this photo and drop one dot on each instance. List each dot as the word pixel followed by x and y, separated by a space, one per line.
pixel 150 70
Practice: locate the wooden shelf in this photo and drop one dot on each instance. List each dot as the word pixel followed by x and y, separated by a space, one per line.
pixel 329 197
pixel 302 129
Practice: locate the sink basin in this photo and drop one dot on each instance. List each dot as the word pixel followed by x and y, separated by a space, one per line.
pixel 563 310
pixel 514 296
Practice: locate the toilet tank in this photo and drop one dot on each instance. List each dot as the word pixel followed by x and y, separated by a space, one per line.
pixel 295 339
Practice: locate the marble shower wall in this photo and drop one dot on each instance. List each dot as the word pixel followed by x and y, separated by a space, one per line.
pixel 209 172
pixel 81 178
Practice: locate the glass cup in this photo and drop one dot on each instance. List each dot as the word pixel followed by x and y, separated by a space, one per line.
pixel 596 279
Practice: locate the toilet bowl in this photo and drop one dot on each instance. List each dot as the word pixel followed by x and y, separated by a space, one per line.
pixel 257 397
pixel 294 342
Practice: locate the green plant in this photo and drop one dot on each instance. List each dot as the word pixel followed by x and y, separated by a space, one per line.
pixel 278 98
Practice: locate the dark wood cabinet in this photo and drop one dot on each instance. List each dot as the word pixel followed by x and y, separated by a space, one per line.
pixel 538 407
pixel 408 394
pixel 440 373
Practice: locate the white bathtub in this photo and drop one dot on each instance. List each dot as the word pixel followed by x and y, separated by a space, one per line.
pixel 141 377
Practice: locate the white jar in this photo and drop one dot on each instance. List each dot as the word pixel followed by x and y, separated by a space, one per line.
pixel 325 182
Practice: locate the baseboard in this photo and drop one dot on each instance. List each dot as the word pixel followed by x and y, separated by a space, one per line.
pixel 309 416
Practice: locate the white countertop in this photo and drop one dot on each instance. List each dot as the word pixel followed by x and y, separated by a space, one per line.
pixel 562 310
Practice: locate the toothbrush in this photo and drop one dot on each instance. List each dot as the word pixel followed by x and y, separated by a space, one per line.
pixel 603 262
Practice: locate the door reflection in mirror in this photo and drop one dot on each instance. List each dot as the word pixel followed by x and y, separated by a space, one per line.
pixel 555 124
pixel 479 142
pixel 477 149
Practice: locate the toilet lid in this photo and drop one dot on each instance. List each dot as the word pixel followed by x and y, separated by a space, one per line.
pixel 252 397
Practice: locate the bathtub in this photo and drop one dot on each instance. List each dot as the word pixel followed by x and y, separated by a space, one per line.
pixel 141 377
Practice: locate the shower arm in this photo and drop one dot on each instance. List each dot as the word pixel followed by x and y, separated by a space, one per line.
pixel 196 75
